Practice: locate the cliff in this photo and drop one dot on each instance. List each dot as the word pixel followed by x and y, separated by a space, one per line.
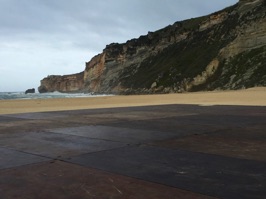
pixel 66 83
pixel 224 50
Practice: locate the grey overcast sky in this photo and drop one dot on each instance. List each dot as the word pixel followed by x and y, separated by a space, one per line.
pixel 56 37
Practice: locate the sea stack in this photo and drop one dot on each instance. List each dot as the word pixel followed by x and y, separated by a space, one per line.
pixel 31 90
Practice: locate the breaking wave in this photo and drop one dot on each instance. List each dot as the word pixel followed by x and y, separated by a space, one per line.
pixel 22 95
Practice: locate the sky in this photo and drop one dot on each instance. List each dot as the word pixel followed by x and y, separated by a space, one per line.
pixel 56 37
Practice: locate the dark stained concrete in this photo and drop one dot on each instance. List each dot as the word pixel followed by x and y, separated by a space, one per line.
pixel 11 158
pixel 202 173
pixel 60 180
pixel 170 151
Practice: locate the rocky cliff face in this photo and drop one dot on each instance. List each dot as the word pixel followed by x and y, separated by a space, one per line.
pixel 66 83
pixel 224 50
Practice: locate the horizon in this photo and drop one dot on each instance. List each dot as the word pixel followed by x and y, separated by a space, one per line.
pixel 57 38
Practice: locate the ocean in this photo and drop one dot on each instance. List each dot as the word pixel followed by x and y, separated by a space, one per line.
pixel 22 95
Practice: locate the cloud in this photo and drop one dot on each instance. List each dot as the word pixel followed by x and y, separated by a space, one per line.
pixel 40 37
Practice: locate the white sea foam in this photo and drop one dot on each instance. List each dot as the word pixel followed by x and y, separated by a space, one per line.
pixel 22 95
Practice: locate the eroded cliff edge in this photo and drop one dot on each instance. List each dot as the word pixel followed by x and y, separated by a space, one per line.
pixel 224 50
pixel 65 83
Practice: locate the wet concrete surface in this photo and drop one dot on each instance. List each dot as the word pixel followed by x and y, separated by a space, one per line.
pixel 124 135
pixel 202 173
pixel 168 151
pixel 61 180
pixel 53 145
pixel 11 158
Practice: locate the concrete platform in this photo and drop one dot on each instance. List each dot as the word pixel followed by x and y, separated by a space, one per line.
pixel 169 151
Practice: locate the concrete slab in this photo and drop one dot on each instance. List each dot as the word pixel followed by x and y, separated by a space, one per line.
pixel 142 115
pixel 212 150
pixel 125 135
pixel 61 180
pixel 202 173
pixel 175 108
pixel 4 119
pixel 28 125
pixel 11 158
pixel 198 123
pixel 244 143
pixel 55 145
pixel 37 116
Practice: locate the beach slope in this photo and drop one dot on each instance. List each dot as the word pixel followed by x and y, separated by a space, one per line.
pixel 251 97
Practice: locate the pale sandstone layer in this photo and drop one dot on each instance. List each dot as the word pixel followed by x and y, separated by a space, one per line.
pixel 252 97
pixel 225 50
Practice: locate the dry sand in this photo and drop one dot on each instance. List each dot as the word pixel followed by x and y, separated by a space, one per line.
pixel 253 97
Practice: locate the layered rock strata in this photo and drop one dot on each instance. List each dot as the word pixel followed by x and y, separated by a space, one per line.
pixel 224 50
pixel 65 83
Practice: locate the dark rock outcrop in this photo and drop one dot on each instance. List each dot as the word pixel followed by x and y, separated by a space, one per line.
pixel 31 90
pixel 224 50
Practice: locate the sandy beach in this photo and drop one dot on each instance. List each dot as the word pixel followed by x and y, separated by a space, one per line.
pixel 252 97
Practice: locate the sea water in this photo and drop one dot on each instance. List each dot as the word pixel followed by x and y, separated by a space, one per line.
pixel 22 95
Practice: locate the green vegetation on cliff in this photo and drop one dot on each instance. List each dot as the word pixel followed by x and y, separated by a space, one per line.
pixel 247 69
pixel 223 50
pixel 183 60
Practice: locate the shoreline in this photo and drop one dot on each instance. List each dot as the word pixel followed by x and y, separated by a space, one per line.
pixel 249 97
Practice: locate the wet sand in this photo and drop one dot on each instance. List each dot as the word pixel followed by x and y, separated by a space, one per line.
pixel 253 97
